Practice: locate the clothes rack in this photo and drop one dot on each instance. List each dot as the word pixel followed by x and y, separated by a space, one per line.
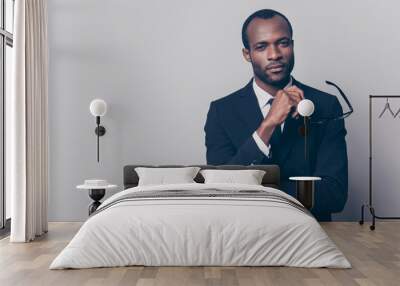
pixel 369 205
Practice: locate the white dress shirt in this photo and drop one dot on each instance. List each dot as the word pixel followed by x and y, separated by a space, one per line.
pixel 262 98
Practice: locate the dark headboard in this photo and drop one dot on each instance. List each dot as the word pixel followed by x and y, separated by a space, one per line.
pixel 270 179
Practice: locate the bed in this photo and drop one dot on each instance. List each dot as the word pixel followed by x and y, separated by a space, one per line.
pixel 201 224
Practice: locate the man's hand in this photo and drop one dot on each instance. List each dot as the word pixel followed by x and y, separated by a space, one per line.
pixel 284 101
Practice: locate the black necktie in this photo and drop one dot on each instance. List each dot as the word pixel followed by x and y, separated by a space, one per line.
pixel 276 137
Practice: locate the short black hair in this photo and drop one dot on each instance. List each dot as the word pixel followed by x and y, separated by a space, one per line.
pixel 263 14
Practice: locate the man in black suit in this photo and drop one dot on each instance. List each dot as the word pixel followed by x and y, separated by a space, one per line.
pixel 259 123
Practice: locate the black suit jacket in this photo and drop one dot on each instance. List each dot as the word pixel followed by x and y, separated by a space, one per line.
pixel 232 120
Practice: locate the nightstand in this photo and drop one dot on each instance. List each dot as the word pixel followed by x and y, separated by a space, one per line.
pixel 97 190
pixel 305 190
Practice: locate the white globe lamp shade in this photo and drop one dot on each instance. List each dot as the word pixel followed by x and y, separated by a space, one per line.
pixel 305 107
pixel 98 107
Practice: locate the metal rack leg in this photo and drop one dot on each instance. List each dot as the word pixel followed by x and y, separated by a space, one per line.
pixel 362 215
pixel 374 216
pixel 371 209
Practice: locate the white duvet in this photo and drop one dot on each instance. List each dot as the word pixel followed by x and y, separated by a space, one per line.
pixel 200 231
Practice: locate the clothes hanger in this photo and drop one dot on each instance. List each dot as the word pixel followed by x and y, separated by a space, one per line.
pixel 387 107
pixel 397 113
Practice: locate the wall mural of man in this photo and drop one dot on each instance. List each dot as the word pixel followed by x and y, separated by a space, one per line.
pixel 259 124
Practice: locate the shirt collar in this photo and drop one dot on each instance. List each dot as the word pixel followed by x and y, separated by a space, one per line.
pixel 262 95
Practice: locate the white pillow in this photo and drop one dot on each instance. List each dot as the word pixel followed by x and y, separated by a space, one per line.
pixel 164 176
pixel 248 177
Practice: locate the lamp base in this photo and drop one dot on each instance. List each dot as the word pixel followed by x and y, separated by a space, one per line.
pixel 100 130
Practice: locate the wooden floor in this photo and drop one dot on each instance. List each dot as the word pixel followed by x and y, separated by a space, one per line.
pixel 374 255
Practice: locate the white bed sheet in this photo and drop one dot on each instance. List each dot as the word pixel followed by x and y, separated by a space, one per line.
pixel 200 231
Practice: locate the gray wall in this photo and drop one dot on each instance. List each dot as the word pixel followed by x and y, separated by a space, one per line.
pixel 158 64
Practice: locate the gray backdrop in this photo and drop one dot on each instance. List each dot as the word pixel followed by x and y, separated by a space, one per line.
pixel 158 64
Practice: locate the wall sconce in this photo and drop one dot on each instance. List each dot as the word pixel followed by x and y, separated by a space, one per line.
pixel 306 108
pixel 98 108
pixel 305 185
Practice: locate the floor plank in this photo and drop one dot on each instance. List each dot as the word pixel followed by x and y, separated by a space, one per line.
pixel 374 255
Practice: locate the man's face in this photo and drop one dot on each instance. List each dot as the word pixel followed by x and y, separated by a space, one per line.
pixel 270 50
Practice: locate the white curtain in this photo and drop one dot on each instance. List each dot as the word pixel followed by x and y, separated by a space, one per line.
pixel 27 122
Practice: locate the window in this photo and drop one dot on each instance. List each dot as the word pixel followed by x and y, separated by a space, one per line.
pixel 6 44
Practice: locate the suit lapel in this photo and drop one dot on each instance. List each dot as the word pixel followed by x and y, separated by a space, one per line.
pixel 248 108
